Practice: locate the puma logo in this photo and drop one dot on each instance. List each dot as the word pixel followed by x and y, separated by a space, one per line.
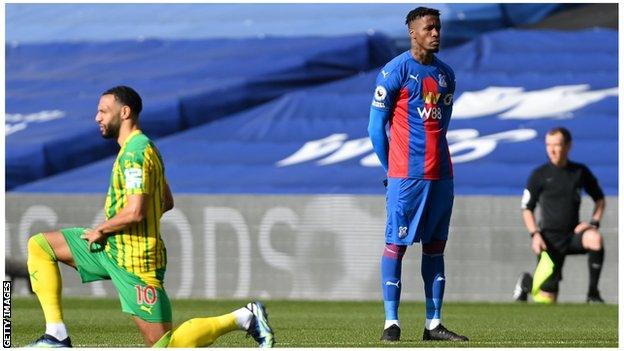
pixel 395 284
pixel 146 309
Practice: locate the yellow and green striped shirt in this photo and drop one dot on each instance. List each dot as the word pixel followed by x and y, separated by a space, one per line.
pixel 138 169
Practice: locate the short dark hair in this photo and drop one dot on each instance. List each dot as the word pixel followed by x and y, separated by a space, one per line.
pixel 420 12
pixel 128 97
pixel 567 137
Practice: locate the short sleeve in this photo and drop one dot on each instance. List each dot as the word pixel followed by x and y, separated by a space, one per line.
pixel 387 87
pixel 591 186
pixel 531 192
pixel 136 172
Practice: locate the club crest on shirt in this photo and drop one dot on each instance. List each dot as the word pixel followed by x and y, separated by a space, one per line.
pixel 402 232
pixel 442 80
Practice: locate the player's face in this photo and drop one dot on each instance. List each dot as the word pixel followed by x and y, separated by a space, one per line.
pixel 108 116
pixel 425 32
pixel 557 149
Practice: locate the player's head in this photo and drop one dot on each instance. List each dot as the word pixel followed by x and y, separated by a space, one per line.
pixel 558 144
pixel 117 104
pixel 423 26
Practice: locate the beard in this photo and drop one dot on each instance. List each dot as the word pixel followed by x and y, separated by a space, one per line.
pixel 111 131
pixel 110 135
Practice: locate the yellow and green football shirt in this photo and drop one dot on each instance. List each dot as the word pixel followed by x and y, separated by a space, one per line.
pixel 138 169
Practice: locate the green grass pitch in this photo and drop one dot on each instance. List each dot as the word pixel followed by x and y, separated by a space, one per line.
pixel 100 322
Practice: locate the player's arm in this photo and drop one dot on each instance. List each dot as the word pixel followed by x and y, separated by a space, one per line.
pixel 133 212
pixel 595 191
pixel 529 221
pixel 167 198
pixel 529 202
pixel 590 184
pixel 537 241
pixel 377 133
pixel 599 207
pixel 387 85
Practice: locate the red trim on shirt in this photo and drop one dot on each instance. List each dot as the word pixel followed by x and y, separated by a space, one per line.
pixel 399 138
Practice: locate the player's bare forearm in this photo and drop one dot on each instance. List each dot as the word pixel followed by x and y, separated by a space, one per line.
pixel 120 221
pixel 529 221
pixel 599 208
pixel 133 212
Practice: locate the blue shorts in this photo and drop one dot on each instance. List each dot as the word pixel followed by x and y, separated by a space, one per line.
pixel 419 210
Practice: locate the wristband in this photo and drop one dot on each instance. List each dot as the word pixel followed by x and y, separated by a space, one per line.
pixel 595 223
pixel 532 234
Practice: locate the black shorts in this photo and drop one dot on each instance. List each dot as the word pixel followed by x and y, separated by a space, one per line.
pixel 558 246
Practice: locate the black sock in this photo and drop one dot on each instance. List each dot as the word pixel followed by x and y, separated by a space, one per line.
pixel 594 261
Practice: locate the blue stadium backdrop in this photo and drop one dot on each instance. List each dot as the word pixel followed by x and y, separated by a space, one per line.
pixel 278 191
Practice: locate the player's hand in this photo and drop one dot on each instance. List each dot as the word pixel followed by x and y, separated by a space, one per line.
pixel 96 239
pixel 581 227
pixel 538 244
pixel 385 183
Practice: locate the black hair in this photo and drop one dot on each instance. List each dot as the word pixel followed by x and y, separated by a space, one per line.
pixel 567 137
pixel 420 12
pixel 128 97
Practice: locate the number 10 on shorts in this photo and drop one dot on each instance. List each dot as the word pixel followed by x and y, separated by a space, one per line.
pixel 145 294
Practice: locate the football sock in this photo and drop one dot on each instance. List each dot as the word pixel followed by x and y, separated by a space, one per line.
pixel 57 330
pixel 545 268
pixel 200 332
pixel 243 317
pixel 431 324
pixel 594 261
pixel 391 262
pixel 432 270
pixel 45 279
pixel 391 322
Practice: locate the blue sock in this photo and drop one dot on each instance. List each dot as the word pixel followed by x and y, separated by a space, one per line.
pixel 432 269
pixel 391 262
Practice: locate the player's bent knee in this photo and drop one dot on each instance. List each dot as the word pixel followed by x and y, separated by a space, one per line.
pixel 592 240
pixel 60 247
pixel 39 245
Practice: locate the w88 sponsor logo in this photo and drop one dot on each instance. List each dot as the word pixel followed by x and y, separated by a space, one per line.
pixel 432 112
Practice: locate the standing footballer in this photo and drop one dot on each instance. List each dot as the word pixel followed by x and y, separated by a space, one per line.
pixel 414 96
pixel 127 247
